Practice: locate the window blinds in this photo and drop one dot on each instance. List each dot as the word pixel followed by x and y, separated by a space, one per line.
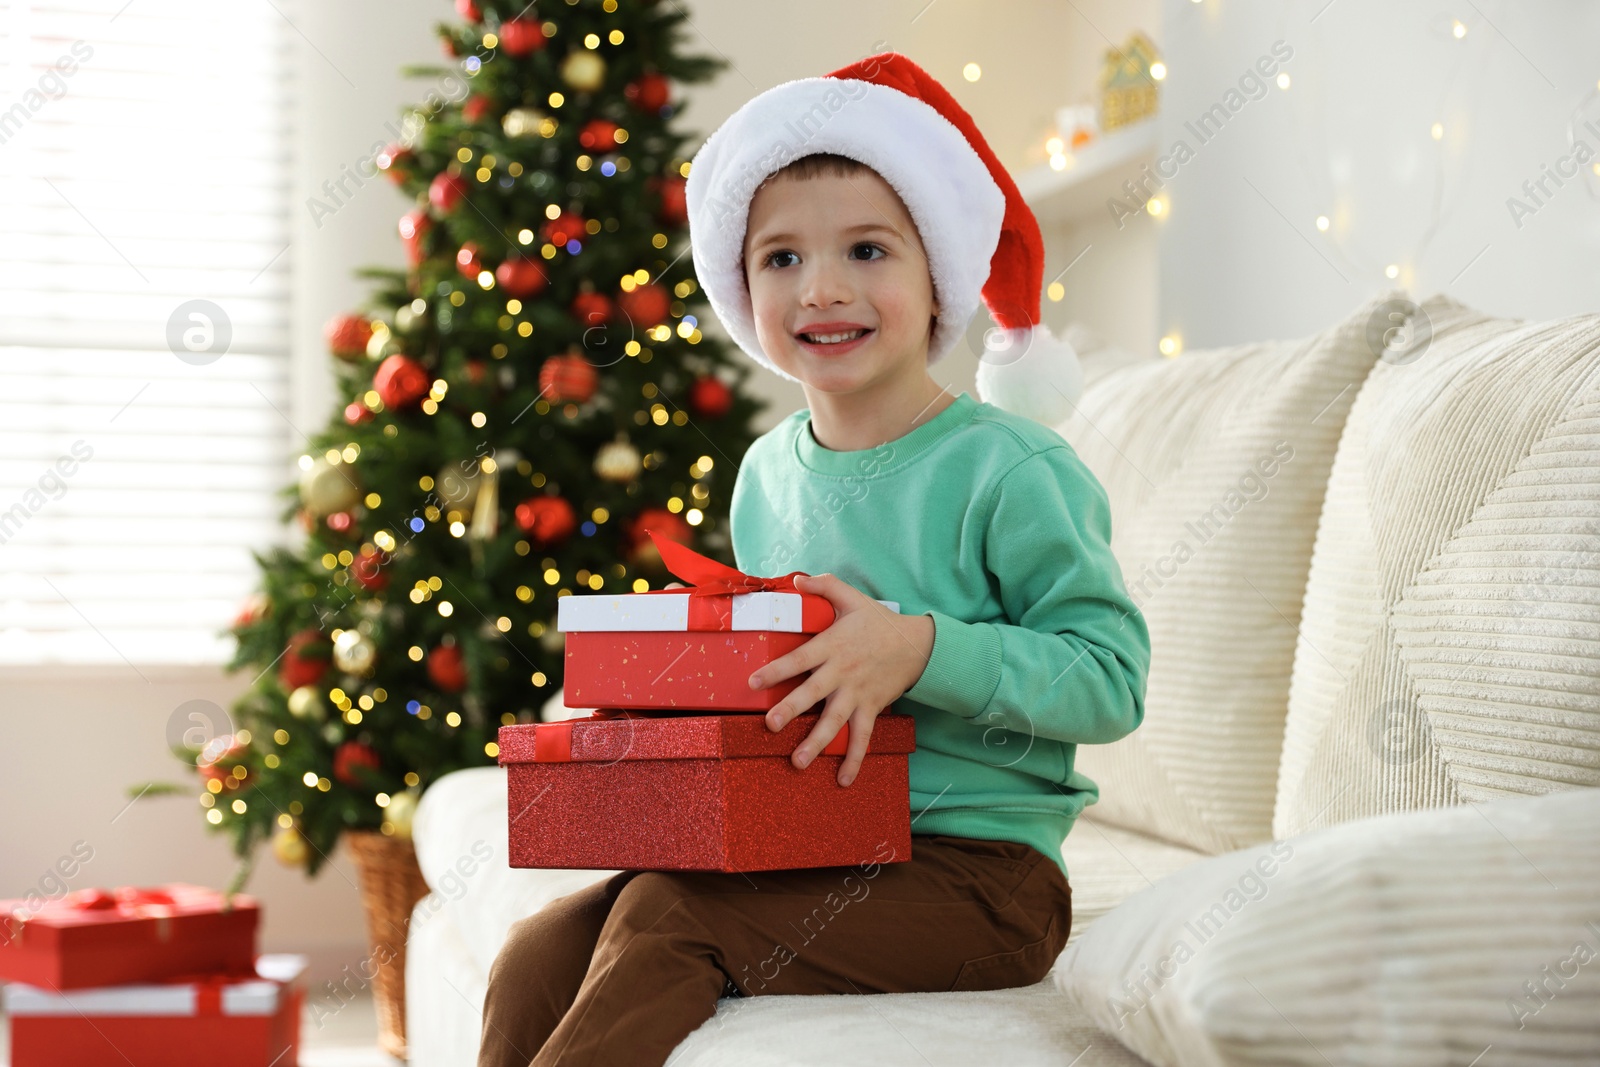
pixel 144 323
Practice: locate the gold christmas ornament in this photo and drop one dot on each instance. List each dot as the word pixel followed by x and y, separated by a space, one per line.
pixel 382 343
pixel 457 487
pixel 618 461
pixel 354 652
pixel 398 815
pixel 486 509
pixel 584 70
pixel 522 122
pixel 325 488
pixel 307 703
pixel 290 847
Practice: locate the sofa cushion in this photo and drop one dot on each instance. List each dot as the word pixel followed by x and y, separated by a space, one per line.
pixel 1215 465
pixel 1417 938
pixel 457 930
pixel 1450 640
pixel 1110 864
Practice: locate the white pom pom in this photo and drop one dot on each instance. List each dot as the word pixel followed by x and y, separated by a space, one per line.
pixel 1043 383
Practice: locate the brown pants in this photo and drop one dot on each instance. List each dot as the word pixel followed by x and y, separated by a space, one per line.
pixel 623 970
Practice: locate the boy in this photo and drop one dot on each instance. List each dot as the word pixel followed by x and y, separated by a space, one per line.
pixel 1015 640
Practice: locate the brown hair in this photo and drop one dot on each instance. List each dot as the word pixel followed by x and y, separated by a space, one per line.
pixel 822 165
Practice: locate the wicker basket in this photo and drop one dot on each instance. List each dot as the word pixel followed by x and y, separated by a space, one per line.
pixel 391 885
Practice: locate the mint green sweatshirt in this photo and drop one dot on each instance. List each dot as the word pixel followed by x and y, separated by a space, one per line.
pixel 991 524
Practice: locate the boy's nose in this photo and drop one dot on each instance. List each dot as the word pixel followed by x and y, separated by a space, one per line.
pixel 824 285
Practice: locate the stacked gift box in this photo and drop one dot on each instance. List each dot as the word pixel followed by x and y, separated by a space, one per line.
pixel 677 768
pixel 153 977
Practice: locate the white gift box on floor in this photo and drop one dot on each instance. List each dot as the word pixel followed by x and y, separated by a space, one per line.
pixel 238 1019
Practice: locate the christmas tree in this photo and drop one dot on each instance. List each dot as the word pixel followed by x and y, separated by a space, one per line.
pixel 519 406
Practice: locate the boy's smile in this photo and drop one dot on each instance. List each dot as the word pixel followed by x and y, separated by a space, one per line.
pixel 842 297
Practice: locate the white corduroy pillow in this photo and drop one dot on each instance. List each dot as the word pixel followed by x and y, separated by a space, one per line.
pixel 1215 465
pixel 1464 935
pixel 1450 643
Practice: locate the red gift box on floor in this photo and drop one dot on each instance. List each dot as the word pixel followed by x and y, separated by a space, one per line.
pixel 689 650
pixel 702 793
pixel 242 1020
pixel 98 937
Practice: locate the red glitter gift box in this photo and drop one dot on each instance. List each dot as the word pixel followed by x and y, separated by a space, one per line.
pixel 248 1019
pixel 694 649
pixel 99 937
pixel 620 791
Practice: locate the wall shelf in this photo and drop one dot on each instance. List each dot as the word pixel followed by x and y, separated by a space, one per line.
pixel 1093 175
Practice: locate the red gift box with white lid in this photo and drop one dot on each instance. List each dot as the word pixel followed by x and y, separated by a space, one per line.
pixel 100 937
pixel 620 790
pixel 243 1019
pixel 692 649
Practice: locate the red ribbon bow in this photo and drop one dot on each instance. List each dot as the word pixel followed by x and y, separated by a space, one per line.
pixel 710 578
pixel 126 898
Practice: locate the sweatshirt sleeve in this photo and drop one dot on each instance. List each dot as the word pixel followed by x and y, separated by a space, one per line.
pixel 1071 662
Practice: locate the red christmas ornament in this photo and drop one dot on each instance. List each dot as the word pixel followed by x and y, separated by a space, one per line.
pixel 592 308
pixel 521 277
pixel 447 668
pixel 341 522
pixel 674 202
pixel 468 261
pixel 414 226
pixel 710 397
pixel 547 520
pixel 368 570
pixel 347 336
pixel 469 11
pixel 306 660
pixel 396 162
pixel 477 108
pixel 446 191
pixel 599 135
pixel 648 92
pixel 563 228
pixel 475 371
pixel 647 305
pixel 401 382
pixel 218 759
pixel 254 609
pixel 355 413
pixel 521 37
pixel 567 377
pixel 352 758
pixel 664 523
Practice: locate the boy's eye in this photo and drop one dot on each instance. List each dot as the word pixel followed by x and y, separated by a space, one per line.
pixel 768 262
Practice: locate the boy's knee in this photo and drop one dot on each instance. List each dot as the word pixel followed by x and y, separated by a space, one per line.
pixel 656 895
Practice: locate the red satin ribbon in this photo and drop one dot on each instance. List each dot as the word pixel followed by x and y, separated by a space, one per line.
pixel 713 586
pixel 710 578
pixel 125 898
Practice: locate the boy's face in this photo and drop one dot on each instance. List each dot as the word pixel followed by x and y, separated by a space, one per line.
pixel 839 250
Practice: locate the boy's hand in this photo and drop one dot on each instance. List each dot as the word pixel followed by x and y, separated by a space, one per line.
pixel 860 664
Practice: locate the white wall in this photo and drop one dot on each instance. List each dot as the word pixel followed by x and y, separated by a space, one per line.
pixel 71 741
pixel 1241 258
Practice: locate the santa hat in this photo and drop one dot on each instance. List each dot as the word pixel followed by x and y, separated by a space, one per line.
pixel 980 236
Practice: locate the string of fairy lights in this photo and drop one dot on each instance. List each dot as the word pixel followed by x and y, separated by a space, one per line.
pixel 1334 224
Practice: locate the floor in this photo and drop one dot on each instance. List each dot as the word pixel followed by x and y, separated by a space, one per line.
pixel 347 1039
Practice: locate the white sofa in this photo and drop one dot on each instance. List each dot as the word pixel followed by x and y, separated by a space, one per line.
pixel 1372 577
